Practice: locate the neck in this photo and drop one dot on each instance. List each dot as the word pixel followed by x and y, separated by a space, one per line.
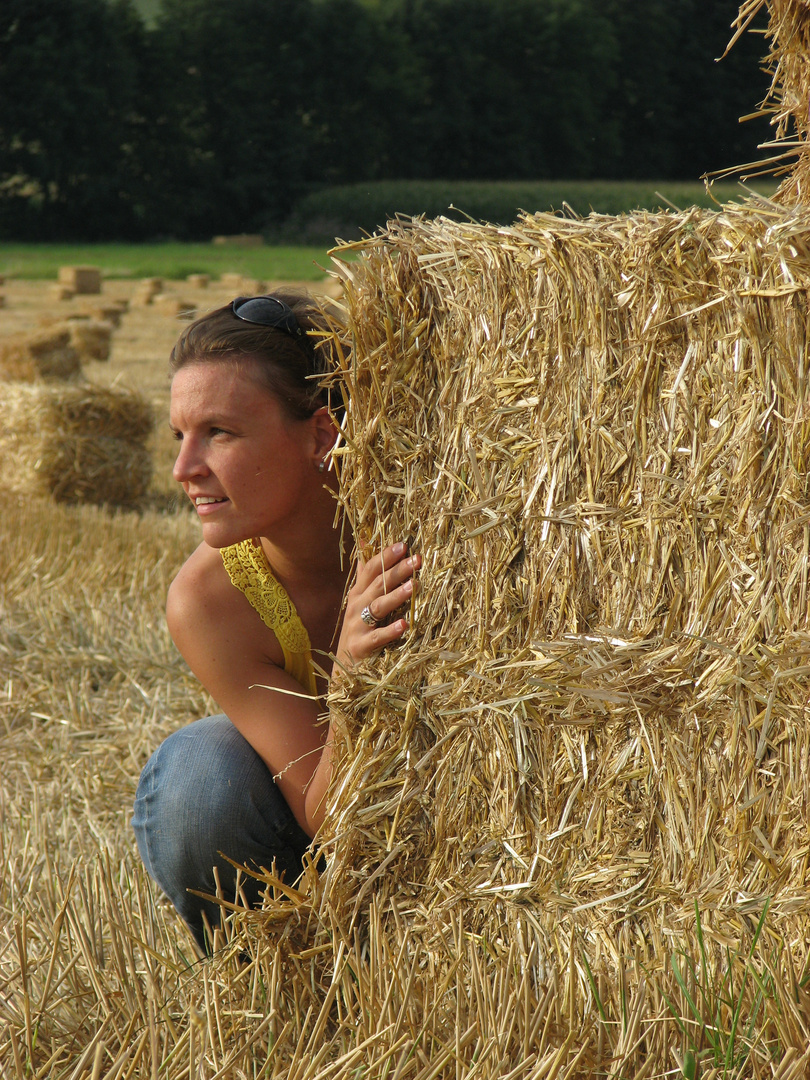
pixel 309 551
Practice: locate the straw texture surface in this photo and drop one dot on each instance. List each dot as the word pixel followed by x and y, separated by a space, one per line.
pixel 592 752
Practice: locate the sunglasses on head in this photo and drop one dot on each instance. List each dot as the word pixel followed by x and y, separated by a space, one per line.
pixel 272 312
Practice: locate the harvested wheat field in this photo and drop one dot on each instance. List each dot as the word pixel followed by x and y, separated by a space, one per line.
pixel 568 832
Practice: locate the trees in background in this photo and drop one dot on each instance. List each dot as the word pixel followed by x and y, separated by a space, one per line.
pixel 217 117
pixel 74 83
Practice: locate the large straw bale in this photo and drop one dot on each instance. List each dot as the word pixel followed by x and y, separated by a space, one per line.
pixel 43 353
pixel 76 443
pixel 591 754
pixel 81 279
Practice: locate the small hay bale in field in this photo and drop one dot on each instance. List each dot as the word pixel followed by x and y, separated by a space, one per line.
pixel 146 291
pixel 199 281
pixel 254 286
pixel 75 443
pixel 61 292
pixel 174 306
pixel 81 279
pixel 246 240
pixel 109 313
pixel 41 354
pixel 246 286
pixel 231 281
pixel 91 339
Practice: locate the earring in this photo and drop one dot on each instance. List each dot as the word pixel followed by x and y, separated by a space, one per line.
pixel 321 465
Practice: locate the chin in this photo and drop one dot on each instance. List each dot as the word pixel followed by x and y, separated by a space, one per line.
pixel 218 537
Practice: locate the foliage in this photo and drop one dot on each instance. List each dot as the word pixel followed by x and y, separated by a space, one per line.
pixel 74 138
pixel 346 211
pixel 713 997
pixel 209 118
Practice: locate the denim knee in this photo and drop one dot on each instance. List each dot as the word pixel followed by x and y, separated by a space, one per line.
pixel 204 793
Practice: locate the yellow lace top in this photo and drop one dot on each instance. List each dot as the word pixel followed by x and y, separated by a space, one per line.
pixel 250 572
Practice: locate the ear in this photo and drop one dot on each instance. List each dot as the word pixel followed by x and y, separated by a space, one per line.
pixel 324 433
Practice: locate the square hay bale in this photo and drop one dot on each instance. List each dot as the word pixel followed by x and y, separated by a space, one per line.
pixel 231 281
pixel 245 240
pixel 91 339
pixel 78 443
pixel 245 286
pixel 61 292
pixel 174 306
pixel 142 298
pixel 146 291
pixel 107 313
pixel 46 353
pixel 589 757
pixel 254 286
pixel 199 281
pixel 81 279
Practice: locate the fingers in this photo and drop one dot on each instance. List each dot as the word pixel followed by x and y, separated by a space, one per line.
pixel 383 588
pixel 386 571
pixel 381 606
pixel 382 635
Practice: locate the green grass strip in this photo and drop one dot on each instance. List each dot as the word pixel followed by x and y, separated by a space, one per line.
pixel 173 261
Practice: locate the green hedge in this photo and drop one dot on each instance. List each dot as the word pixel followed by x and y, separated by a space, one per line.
pixel 348 211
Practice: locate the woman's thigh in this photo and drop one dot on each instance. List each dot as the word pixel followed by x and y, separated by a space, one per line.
pixel 203 794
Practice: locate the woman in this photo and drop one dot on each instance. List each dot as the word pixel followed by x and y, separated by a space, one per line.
pixel 260 609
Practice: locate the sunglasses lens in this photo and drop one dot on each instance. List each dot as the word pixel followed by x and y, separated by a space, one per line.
pixel 272 312
pixel 266 311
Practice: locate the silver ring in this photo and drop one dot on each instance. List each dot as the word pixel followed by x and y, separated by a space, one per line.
pixel 368 618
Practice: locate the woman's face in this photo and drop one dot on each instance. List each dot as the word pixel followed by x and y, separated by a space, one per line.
pixel 245 464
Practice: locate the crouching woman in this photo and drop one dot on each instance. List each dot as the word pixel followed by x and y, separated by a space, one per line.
pixel 261 607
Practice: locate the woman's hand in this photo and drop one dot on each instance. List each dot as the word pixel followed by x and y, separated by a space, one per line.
pixel 383 584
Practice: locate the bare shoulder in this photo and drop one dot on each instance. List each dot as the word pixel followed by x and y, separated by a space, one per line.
pixel 203 609
pixel 221 637
pixel 199 589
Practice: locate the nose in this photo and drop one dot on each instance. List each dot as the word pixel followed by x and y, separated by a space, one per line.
pixel 189 462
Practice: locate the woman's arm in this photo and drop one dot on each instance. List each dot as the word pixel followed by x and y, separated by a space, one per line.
pixel 383 584
pixel 243 672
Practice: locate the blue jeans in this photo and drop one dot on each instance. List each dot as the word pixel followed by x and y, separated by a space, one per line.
pixel 205 790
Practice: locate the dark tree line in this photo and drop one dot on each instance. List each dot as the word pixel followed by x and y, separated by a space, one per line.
pixel 218 116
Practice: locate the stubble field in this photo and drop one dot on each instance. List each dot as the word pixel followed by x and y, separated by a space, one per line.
pixel 93 963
